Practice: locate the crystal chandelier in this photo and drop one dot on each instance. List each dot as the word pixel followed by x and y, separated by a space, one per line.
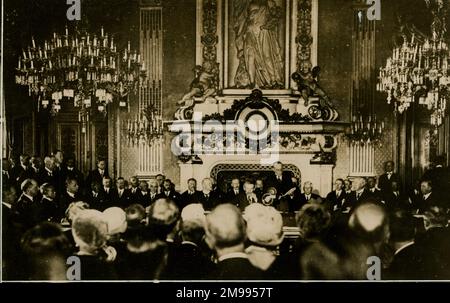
pixel 365 130
pixel 84 68
pixel 418 69
pixel 146 128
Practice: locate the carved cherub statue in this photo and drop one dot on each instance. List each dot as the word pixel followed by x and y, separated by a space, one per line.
pixel 204 85
pixel 308 86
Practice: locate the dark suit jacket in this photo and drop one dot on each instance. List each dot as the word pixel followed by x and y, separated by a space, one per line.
pixel 432 199
pixel 19 174
pixel 242 202
pixel 333 201
pixel 211 202
pixel 120 201
pixel 303 200
pixel 231 197
pixel 134 197
pixel 433 248
pixel 385 184
pixel 186 198
pixel 377 194
pixel 74 174
pixel 99 202
pixel 352 201
pixel 172 195
pixel 94 175
pixel 282 186
pixel 24 212
pixel 184 264
pixel 291 203
pixel 236 269
pixel 48 210
pixel 440 177
pixel 65 200
pixel 404 265
pixel 146 199
pixel 53 179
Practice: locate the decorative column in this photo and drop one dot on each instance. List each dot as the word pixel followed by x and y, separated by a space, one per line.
pixel 151 50
pixel 362 158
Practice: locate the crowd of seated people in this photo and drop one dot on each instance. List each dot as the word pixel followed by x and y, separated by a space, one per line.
pixel 146 230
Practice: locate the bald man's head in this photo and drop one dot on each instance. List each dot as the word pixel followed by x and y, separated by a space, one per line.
pixel 225 227
pixel 370 222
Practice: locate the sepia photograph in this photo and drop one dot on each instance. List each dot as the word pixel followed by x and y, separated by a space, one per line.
pixel 225 140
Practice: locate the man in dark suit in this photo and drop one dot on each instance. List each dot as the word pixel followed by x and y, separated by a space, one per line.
pixel 434 245
pixel 146 196
pixel 70 171
pixel 280 179
pixel 48 174
pixel 21 171
pixel 373 190
pixel 208 198
pixel 396 199
pixel 120 196
pixel 48 209
pixel 107 190
pixel 170 193
pixel 359 195
pixel 95 198
pixel 35 168
pixel 290 202
pixel 134 189
pixel 335 198
pixel 24 207
pixel 307 196
pixel 246 197
pixel 70 195
pixel 97 174
pixel 234 191
pixel 404 265
pixel 385 180
pixel 225 234
pixel 428 198
pixel 259 189
pixel 191 195
pixel 187 257
pixel 160 179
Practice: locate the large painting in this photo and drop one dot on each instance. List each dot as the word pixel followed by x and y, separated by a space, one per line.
pixel 256 44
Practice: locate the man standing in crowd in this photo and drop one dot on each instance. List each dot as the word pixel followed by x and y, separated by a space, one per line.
pixel 160 178
pixel 373 190
pixel 70 171
pixel 280 179
pixel 335 198
pixel 99 173
pixel 21 172
pixel 48 174
pixel 385 180
pixel 120 196
pixel 191 195
pixel 134 189
pixel 208 198
pixel 170 193
pixel 233 193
